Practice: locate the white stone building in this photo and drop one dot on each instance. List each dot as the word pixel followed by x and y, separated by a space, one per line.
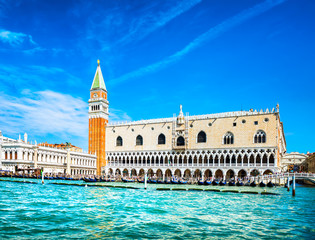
pixel 292 159
pixel 21 154
pixel 223 145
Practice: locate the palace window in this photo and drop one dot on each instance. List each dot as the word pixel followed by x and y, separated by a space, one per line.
pixel 228 138
pixel 119 141
pixel 180 141
pixel 161 139
pixel 202 137
pixel 256 122
pixel 260 137
pixel 139 140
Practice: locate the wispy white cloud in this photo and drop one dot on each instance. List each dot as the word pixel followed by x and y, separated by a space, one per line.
pixel 212 33
pixel 150 21
pixel 43 112
pixel 47 112
pixel 34 76
pixel 15 39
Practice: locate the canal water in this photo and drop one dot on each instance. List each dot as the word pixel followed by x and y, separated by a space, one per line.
pixel 35 211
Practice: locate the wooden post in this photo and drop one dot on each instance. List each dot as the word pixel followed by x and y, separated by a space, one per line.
pixel 145 181
pixel 43 176
pixel 293 186
pixel 288 184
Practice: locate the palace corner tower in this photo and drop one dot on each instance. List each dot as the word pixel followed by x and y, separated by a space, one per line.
pixel 98 118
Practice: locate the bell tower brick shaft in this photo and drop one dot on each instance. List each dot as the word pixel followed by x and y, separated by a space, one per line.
pixel 98 119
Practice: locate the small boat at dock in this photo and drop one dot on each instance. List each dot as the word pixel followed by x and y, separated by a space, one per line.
pixel 127 180
pixel 262 184
pixel 253 184
pixel 231 183
pixel 239 184
pixel 270 184
pixel 222 183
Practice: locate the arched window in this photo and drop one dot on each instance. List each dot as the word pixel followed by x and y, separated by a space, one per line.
pixel 260 137
pixel 139 140
pixel 180 141
pixel 119 141
pixel 202 137
pixel 161 139
pixel 228 138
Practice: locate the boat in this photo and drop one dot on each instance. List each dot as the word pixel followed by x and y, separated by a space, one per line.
pixel 239 184
pixel 140 180
pixel 173 181
pixel 160 181
pixel 215 183
pixel 61 178
pixel 208 182
pixel 262 184
pixel 270 184
pixel 222 183
pixel 128 180
pixel 152 181
pixel 167 182
pixel 183 182
pixel 231 183
pixel 253 184
pixel 247 183
pixel 69 178
pixel 89 180
pixel 201 183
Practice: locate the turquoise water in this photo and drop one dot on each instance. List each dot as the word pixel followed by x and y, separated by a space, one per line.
pixel 35 211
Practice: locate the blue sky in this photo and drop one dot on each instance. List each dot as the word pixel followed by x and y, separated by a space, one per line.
pixel 209 56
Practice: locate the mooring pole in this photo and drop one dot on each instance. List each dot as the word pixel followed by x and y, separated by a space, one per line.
pixel 145 181
pixel 288 184
pixel 293 186
pixel 43 177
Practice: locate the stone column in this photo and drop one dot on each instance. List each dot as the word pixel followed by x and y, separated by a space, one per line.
pixel 68 171
pixel 35 157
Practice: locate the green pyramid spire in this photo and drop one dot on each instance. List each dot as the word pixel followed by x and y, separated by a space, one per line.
pixel 98 81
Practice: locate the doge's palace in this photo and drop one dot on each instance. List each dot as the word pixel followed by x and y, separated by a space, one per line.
pixel 229 144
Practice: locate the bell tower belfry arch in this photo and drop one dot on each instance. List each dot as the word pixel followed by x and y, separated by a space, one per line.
pixel 98 118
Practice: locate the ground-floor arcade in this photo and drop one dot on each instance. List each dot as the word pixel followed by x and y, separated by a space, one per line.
pixel 188 173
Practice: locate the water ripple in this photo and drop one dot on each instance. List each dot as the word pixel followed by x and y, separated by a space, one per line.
pixel 34 211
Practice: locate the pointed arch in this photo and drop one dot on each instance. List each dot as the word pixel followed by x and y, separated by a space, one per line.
pixel 205 160
pixel 139 140
pixel 201 137
pixel 119 141
pixel 271 159
pixel 260 137
pixel 228 138
pixel 265 160
pixel 161 139
pixel 180 141
pixel 258 160
pixel 245 160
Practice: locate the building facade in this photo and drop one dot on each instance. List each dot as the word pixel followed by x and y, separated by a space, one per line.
pixel 293 161
pixel 20 154
pixel 221 145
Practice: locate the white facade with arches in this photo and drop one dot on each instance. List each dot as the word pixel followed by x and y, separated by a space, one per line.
pixel 20 154
pixel 233 142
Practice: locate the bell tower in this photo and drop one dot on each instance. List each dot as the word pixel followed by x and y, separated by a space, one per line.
pixel 98 118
